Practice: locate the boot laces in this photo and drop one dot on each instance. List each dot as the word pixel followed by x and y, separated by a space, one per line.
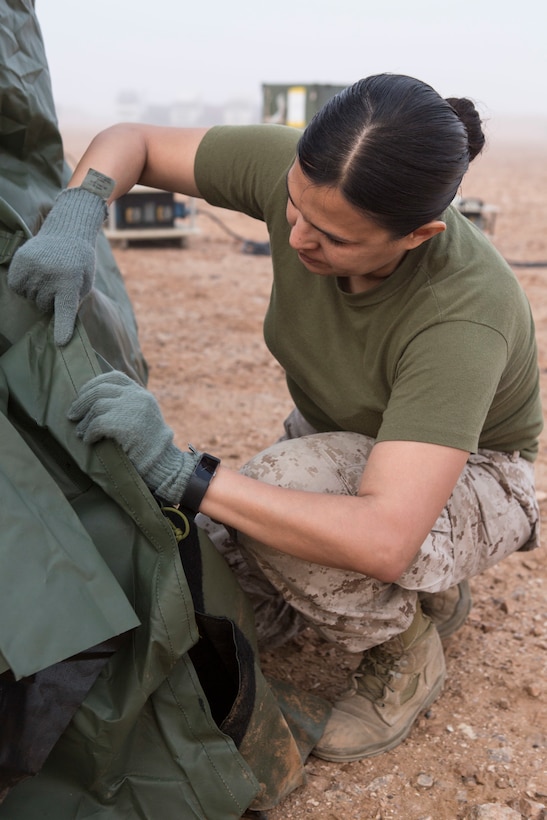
pixel 377 669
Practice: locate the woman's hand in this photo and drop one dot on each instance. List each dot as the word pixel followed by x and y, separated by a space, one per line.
pixel 56 267
pixel 114 406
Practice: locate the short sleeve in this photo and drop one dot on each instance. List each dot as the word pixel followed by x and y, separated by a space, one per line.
pixel 237 167
pixel 445 383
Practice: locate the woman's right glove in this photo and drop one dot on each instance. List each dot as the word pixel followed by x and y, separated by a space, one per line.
pixel 56 267
pixel 112 405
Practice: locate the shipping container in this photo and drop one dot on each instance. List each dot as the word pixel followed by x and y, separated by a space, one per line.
pixel 295 104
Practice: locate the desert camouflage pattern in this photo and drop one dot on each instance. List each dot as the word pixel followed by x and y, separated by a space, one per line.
pixel 491 513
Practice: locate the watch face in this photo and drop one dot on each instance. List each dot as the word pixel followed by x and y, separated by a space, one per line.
pixel 209 463
pixel 199 481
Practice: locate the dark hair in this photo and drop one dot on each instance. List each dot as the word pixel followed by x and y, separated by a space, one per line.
pixel 394 148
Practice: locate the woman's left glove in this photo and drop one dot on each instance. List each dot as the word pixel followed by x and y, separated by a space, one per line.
pixel 114 406
pixel 56 267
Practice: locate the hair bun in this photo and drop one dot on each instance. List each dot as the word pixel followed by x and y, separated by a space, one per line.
pixel 468 114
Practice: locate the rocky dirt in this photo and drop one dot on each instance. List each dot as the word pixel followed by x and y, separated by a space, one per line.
pixel 481 749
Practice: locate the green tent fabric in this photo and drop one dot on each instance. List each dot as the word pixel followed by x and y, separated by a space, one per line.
pixel 91 569
pixel 145 735
pixel 33 171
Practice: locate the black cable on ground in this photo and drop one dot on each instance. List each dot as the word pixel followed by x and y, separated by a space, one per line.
pixel 248 245
pixel 526 264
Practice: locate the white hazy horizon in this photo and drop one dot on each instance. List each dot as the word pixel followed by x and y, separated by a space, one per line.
pixel 169 51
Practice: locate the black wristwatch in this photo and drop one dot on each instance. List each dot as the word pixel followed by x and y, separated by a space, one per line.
pixel 200 479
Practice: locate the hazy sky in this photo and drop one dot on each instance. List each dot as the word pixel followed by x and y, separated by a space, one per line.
pixel 494 51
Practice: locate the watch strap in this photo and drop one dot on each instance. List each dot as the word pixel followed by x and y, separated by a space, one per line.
pixel 199 481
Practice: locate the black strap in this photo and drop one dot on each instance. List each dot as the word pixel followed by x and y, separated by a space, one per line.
pixel 223 657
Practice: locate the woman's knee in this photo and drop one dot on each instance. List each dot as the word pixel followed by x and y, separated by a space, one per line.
pixel 322 462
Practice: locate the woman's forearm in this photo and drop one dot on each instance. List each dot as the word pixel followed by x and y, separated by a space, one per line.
pixel 377 532
pixel 118 152
pixel 132 153
pixel 339 531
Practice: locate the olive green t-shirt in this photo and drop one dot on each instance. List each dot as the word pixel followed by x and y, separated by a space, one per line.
pixel 443 351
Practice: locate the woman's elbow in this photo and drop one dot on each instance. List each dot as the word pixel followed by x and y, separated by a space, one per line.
pixel 389 562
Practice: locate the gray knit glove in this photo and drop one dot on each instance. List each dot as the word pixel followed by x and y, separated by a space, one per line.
pixel 56 267
pixel 114 406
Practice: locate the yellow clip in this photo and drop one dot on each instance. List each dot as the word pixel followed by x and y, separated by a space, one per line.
pixel 175 517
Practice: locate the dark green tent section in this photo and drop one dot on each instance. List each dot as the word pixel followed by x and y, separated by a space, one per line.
pixel 129 679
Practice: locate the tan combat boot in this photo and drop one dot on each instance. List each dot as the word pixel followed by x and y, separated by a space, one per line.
pixel 448 609
pixel 394 682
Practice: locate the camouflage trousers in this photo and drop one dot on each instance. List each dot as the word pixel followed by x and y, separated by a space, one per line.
pixel 491 513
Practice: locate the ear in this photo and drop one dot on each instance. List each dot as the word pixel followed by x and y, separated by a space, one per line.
pixel 425 232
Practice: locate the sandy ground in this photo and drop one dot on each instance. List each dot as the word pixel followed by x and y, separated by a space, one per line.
pixel 481 750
